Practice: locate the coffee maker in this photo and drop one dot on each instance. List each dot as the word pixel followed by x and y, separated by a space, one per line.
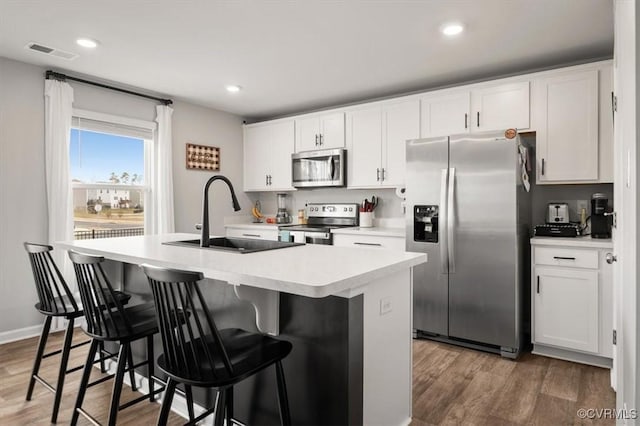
pixel 600 227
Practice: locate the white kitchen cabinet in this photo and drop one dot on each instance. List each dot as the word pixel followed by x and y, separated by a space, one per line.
pixel 494 107
pixel 369 241
pixel 376 140
pixel 267 156
pixel 323 131
pixel 572 300
pixel 574 126
pixel 566 308
pixel 252 232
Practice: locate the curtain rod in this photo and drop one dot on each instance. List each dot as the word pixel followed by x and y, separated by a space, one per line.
pixel 62 77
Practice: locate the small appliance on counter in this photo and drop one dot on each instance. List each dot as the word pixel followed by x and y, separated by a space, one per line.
pixel 282 216
pixel 558 213
pixel 600 227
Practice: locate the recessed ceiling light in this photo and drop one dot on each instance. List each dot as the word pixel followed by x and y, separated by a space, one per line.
pixel 233 88
pixel 452 29
pixel 87 42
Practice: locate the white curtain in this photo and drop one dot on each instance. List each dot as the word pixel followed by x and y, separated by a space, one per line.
pixel 161 219
pixel 58 109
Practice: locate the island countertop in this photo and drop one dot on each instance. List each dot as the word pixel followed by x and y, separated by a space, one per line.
pixel 310 270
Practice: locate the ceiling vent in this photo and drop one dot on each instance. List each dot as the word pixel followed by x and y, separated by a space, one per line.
pixel 51 51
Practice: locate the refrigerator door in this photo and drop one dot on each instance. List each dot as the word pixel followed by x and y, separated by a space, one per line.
pixel 483 239
pixel 426 184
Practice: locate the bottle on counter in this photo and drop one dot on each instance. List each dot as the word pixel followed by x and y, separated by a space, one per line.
pixel 301 219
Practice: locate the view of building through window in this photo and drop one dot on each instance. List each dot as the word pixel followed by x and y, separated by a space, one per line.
pixel 108 181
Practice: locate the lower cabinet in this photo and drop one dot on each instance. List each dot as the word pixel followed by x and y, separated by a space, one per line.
pixel 253 232
pixel 369 241
pixel 572 304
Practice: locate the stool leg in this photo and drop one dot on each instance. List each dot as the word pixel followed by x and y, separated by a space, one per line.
pixel 218 419
pixel 283 400
pixel 229 405
pixel 166 402
pixel 132 372
pixel 123 356
pixel 84 381
pixel 103 368
pixel 36 364
pixel 150 367
pixel 66 348
pixel 189 395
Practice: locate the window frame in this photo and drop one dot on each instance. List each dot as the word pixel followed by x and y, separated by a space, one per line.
pixel 128 126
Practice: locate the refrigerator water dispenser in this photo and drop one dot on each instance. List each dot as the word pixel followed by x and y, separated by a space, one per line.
pixel 425 223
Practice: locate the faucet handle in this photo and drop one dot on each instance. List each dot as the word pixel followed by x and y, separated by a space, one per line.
pixel 198 226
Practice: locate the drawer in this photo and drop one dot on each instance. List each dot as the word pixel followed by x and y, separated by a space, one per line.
pixel 369 241
pixel 573 258
pixel 271 235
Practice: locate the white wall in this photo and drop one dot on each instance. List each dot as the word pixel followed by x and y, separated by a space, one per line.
pixel 23 203
pixel 23 209
pixel 199 125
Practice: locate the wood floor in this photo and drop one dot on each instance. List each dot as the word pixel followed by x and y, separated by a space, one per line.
pixel 451 386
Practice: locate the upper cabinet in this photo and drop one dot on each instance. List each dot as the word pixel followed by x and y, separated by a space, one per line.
pixel 267 156
pixel 376 140
pixel 494 107
pixel 574 126
pixel 322 131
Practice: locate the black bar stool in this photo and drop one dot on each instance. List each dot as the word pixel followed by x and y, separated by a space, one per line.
pixel 198 354
pixel 111 322
pixel 55 300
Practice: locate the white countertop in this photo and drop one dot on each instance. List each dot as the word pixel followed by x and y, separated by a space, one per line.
pixel 379 231
pixel 586 242
pixel 311 270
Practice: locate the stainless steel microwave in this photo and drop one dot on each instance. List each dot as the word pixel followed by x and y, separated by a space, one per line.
pixel 319 168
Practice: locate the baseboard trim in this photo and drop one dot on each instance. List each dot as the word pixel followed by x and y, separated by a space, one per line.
pixel 20 334
pixel 569 355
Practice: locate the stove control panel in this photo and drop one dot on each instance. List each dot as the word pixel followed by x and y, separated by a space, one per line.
pixel 340 210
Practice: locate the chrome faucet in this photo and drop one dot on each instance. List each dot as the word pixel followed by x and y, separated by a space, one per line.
pixel 204 238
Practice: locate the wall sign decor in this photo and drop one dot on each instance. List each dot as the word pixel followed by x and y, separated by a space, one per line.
pixel 203 157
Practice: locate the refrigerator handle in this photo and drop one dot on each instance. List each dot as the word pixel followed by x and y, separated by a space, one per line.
pixel 451 220
pixel 444 261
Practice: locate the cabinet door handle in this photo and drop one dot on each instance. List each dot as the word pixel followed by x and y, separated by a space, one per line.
pixel 538 284
pixel 478 118
pixel 383 174
pixel 367 244
pixel 542 168
pixel 251 235
pixel 269 180
pixel 316 139
pixel 266 179
pixel 321 139
pixel 564 258
pixel 466 116
pixel 378 174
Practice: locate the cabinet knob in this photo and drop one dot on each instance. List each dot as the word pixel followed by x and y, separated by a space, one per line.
pixel 610 258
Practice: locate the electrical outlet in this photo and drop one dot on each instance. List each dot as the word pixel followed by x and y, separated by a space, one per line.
pixel 582 204
pixel 385 305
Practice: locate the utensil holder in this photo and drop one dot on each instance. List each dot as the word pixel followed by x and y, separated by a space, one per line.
pixel 366 219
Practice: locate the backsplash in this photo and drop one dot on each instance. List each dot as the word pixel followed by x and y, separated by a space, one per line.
pixel 389 205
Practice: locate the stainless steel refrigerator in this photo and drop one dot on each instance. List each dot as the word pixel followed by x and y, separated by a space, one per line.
pixel 467 208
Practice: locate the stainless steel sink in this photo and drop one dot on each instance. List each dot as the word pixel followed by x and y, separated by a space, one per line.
pixel 236 245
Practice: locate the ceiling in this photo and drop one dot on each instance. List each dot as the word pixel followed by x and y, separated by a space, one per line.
pixel 292 56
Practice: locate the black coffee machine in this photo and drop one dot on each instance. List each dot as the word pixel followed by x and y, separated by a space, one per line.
pixel 600 227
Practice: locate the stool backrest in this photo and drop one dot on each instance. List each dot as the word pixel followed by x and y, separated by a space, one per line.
pixel 103 310
pixel 178 300
pixel 53 292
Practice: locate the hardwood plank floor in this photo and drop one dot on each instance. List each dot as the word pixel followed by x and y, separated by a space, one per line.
pixel 451 386
pixel 458 386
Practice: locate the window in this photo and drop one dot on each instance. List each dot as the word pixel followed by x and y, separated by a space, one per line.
pixel 108 168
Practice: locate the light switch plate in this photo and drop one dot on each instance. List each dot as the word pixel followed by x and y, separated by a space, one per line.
pixel 385 305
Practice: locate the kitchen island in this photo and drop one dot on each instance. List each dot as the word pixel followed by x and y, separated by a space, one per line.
pixel 347 312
